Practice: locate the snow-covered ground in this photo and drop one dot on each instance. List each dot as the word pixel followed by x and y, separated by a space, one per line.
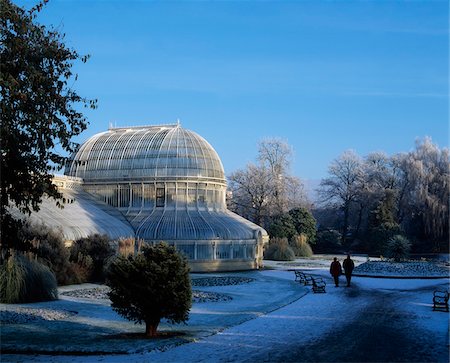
pixel 270 319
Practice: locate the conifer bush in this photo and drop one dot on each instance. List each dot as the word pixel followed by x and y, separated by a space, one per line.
pixel 150 286
pixel 279 250
pixel 23 281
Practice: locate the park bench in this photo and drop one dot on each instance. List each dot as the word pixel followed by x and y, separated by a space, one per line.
pixel 308 280
pixel 302 278
pixel 440 300
pixel 318 285
pixel 299 276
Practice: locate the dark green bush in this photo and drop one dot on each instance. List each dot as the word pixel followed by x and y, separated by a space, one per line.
pixel 23 281
pixel 379 237
pixel 304 223
pixel 328 241
pixel 279 250
pixel 150 286
pixel 282 227
pixel 398 248
pixel 98 248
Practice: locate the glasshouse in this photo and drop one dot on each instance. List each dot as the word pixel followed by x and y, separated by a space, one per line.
pixel 168 184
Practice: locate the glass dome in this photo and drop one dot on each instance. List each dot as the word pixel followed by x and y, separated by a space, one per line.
pixel 169 184
pixel 146 152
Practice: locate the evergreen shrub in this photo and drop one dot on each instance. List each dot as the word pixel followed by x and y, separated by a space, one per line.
pixel 328 241
pixel 150 286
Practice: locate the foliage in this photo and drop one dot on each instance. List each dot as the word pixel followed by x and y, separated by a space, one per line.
pixel 266 189
pixel 81 269
pixel 384 211
pixel 98 249
pixel 282 227
pixel 126 246
pixel 342 186
pixel 379 236
pixel 398 248
pixel 428 180
pixel 152 285
pixel 304 223
pixel 300 246
pixel 24 281
pixel 279 250
pixel 48 245
pixel 328 240
pixel 40 110
pixel 379 196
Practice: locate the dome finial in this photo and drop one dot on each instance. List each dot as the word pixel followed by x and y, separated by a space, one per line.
pixel 178 122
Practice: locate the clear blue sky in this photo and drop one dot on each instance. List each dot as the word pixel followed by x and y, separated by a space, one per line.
pixel 326 76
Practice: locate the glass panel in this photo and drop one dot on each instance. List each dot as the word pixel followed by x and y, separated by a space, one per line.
pixel 187 249
pixel 160 197
pixel 149 196
pixel 223 251
pixel 204 251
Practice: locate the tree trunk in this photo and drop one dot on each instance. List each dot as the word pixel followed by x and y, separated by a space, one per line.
pixel 361 208
pixel 345 226
pixel 151 328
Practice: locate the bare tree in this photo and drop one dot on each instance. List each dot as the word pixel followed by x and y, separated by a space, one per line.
pixel 252 192
pixel 266 189
pixel 343 186
pixel 276 154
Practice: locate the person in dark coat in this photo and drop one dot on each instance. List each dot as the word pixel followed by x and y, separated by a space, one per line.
pixel 348 269
pixel 336 271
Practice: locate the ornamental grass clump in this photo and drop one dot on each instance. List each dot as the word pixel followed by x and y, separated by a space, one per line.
pixel 279 250
pixel 150 286
pixel 300 246
pixel 23 281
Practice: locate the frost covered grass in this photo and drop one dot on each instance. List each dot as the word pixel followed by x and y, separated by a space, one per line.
pixel 402 269
pixel 271 318
pixel 101 292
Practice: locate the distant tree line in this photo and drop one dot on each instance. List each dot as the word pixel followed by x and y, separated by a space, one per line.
pixel 365 201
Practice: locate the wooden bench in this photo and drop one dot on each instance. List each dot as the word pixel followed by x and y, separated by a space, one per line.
pixel 440 300
pixel 318 285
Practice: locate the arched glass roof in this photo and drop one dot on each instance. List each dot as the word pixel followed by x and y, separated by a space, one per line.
pixel 146 152
pixel 81 218
pixel 195 225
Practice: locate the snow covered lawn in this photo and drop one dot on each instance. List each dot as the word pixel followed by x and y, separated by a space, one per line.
pixel 270 318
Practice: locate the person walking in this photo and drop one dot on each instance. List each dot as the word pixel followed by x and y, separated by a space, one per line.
pixel 348 269
pixel 336 271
